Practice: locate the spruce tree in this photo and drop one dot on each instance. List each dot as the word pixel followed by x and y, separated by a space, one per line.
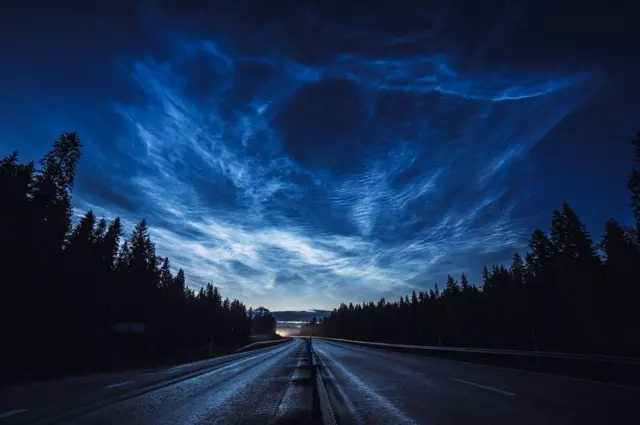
pixel 634 183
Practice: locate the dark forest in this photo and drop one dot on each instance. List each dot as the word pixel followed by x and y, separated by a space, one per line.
pixel 81 298
pixel 567 294
pixel 68 290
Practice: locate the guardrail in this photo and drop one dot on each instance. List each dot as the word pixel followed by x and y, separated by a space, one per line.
pixel 611 369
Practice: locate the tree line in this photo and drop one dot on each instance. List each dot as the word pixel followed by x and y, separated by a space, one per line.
pixel 84 298
pixel 567 294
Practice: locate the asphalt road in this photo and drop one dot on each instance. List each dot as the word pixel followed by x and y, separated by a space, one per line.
pixel 273 385
pixel 373 386
pixel 269 385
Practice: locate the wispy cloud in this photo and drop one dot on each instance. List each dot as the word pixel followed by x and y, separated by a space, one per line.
pixel 426 191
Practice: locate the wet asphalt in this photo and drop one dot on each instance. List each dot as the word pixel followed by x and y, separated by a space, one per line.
pixel 275 385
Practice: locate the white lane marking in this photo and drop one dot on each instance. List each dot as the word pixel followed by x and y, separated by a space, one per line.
pixel 483 386
pixel 355 414
pixel 217 360
pixel 568 378
pixel 177 368
pixel 528 372
pixel 11 413
pixel 371 396
pixel 234 362
pixel 119 384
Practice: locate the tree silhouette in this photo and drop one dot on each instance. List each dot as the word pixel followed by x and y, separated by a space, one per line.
pixel 634 183
pixel 568 294
pixel 67 289
pixel 263 321
pixel 166 278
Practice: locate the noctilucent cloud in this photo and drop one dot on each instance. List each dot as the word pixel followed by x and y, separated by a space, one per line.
pixel 301 154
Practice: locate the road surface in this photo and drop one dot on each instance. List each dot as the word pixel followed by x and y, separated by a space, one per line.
pixel 274 385
pixel 268 385
pixel 373 386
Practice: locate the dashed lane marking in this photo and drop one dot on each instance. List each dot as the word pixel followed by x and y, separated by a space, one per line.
pixel 484 386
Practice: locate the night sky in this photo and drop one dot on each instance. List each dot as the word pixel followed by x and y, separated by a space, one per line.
pixel 299 154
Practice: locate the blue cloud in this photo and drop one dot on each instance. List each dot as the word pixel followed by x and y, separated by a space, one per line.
pixel 284 277
pixel 257 185
pixel 299 169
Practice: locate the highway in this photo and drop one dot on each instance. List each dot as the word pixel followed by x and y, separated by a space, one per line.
pixel 373 386
pixel 274 385
pixel 254 387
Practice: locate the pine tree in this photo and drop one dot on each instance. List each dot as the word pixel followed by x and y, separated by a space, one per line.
pixel 622 267
pixel 216 298
pixel 517 269
pixel 49 217
pixel 16 242
pixel 452 286
pixel 209 291
pixel 634 183
pixel 166 278
pixel 142 249
pixel 558 231
pixel 179 283
pixel 414 298
pixel 540 257
pixel 464 283
pixel 109 246
pixel 124 258
pixel 81 261
pixel 189 294
pixel 15 210
pixel 83 235
pixel 101 228
pixel 578 242
pixel 52 193
pixel 485 276
pixel 15 192
pixel 617 246
pixel 59 164
pixel 577 271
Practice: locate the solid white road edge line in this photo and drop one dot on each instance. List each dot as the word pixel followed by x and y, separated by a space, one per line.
pixel 484 386
pixel 11 413
pixel 119 384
